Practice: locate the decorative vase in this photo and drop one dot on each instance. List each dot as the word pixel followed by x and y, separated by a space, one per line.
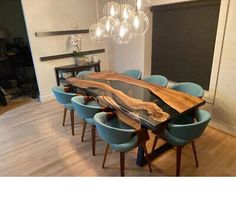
pixel 78 60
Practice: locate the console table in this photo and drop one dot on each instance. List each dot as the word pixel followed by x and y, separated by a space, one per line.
pixel 73 69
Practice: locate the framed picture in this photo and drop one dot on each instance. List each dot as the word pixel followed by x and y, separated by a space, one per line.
pixel 19 41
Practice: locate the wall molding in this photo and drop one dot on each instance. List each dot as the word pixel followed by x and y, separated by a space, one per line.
pixel 46 98
pixel 222 126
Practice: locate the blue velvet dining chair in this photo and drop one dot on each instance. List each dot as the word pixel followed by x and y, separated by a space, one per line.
pixel 185 130
pixel 120 136
pixel 189 88
pixel 86 107
pixel 64 98
pixel 134 73
pixel 157 79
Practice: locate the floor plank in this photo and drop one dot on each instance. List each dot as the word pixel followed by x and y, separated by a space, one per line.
pixel 33 142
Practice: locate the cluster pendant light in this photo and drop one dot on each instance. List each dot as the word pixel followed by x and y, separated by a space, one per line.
pixel 122 21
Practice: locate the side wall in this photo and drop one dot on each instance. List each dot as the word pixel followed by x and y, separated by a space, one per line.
pixel 54 15
pixel 224 108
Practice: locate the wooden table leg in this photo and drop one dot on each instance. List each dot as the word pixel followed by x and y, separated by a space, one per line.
pixel 143 137
pixel 141 159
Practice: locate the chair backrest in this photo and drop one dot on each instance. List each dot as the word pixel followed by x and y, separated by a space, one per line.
pixel 134 73
pixel 110 132
pixel 85 110
pixel 187 129
pixel 81 73
pixel 62 96
pixel 157 79
pixel 189 88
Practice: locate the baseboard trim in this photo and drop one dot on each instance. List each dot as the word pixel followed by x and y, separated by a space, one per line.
pixel 227 128
pixel 46 98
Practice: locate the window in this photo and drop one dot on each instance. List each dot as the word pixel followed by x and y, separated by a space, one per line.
pixel 184 37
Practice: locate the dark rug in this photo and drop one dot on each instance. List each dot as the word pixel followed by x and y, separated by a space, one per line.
pixel 27 90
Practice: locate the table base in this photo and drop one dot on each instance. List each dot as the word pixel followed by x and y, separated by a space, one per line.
pixel 141 160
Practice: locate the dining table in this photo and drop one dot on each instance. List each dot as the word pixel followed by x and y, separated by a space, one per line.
pixel 150 105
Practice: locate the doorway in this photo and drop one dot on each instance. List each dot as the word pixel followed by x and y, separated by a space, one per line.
pixel 17 74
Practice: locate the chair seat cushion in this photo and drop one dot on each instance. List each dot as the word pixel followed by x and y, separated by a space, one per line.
pixel 69 106
pixel 125 147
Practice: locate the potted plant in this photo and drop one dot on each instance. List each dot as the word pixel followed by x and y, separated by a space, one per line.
pixel 78 55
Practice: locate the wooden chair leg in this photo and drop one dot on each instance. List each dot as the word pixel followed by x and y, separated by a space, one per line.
pixel 154 143
pixel 147 157
pixel 93 139
pixel 105 156
pixel 83 132
pixel 178 160
pixel 72 122
pixel 64 117
pixel 195 153
pixel 122 163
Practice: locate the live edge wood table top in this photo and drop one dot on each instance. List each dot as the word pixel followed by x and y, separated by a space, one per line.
pixel 149 104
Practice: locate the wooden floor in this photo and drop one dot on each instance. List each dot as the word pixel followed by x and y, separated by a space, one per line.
pixel 14 103
pixel 33 143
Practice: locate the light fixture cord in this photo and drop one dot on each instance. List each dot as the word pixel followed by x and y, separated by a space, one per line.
pixel 97 10
pixel 136 6
pixel 120 8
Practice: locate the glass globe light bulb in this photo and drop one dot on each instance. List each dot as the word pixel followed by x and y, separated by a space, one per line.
pixel 122 32
pixel 111 9
pixel 96 32
pixel 107 23
pixel 126 10
pixel 140 22
pixel 142 5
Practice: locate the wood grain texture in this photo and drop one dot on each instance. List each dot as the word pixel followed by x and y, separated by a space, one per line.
pixel 177 100
pixel 154 111
pixel 34 143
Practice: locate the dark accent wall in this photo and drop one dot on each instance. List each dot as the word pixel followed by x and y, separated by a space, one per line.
pixel 184 39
